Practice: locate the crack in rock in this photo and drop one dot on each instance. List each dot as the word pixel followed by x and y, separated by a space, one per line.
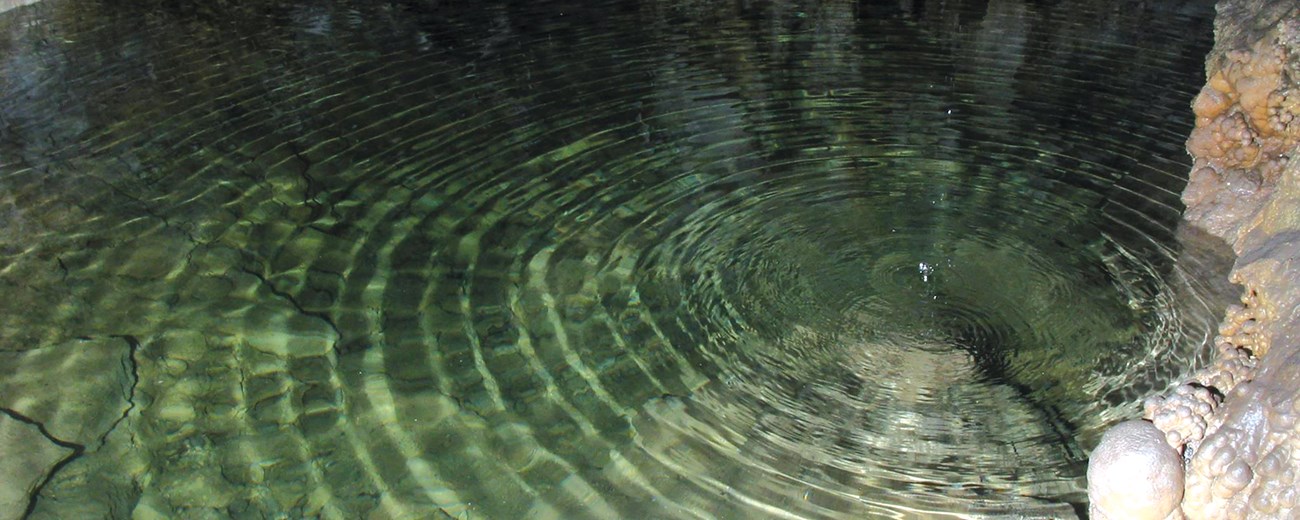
pixel 338 335
pixel 73 395
pixel 77 451
pixel 131 365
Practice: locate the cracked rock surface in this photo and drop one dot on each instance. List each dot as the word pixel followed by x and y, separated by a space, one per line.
pixel 78 390
pixel 27 458
pixel 59 403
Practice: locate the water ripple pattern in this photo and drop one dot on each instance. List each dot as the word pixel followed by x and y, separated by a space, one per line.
pixel 657 259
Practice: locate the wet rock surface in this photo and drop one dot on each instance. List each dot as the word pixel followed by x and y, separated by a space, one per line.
pixel 23 471
pixel 58 404
pixel 1236 421
pixel 1134 474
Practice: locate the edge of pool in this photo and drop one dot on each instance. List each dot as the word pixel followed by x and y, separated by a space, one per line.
pixel 1235 425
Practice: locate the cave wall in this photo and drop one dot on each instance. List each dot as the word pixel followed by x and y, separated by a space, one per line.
pixel 1235 423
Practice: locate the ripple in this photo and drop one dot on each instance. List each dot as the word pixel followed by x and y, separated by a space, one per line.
pixel 611 260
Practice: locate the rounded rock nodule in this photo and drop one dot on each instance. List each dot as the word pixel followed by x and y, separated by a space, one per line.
pixel 1134 474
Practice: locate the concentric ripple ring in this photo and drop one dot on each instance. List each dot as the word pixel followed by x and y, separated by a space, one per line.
pixel 656 259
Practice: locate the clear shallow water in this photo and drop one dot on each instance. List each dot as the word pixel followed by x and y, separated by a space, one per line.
pixel 599 260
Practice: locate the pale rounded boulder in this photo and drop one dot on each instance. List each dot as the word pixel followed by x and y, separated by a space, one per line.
pixel 1134 474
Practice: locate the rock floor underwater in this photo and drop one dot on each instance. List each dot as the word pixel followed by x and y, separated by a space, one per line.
pixel 659 259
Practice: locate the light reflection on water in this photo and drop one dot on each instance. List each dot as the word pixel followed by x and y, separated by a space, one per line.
pixel 660 259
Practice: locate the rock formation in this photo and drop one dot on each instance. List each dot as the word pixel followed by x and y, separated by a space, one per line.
pixel 1134 474
pixel 1235 423
pixel 47 423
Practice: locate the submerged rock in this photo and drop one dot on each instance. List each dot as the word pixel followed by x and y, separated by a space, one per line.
pixel 77 390
pixel 56 404
pixel 28 458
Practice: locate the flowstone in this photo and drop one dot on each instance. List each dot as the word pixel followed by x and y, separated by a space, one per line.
pixel 1237 422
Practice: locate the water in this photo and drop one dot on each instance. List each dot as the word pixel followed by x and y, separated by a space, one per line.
pixel 659 259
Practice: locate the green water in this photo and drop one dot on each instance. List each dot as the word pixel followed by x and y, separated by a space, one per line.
pixel 616 259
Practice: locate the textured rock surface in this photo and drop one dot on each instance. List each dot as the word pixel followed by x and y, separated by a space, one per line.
pixel 77 390
pixel 1134 474
pixel 22 471
pixel 1236 421
pixel 57 404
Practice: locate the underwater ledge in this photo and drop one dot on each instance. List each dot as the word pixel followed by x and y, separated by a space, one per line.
pixel 1226 443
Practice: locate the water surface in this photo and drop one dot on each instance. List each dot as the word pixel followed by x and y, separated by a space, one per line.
pixel 657 259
